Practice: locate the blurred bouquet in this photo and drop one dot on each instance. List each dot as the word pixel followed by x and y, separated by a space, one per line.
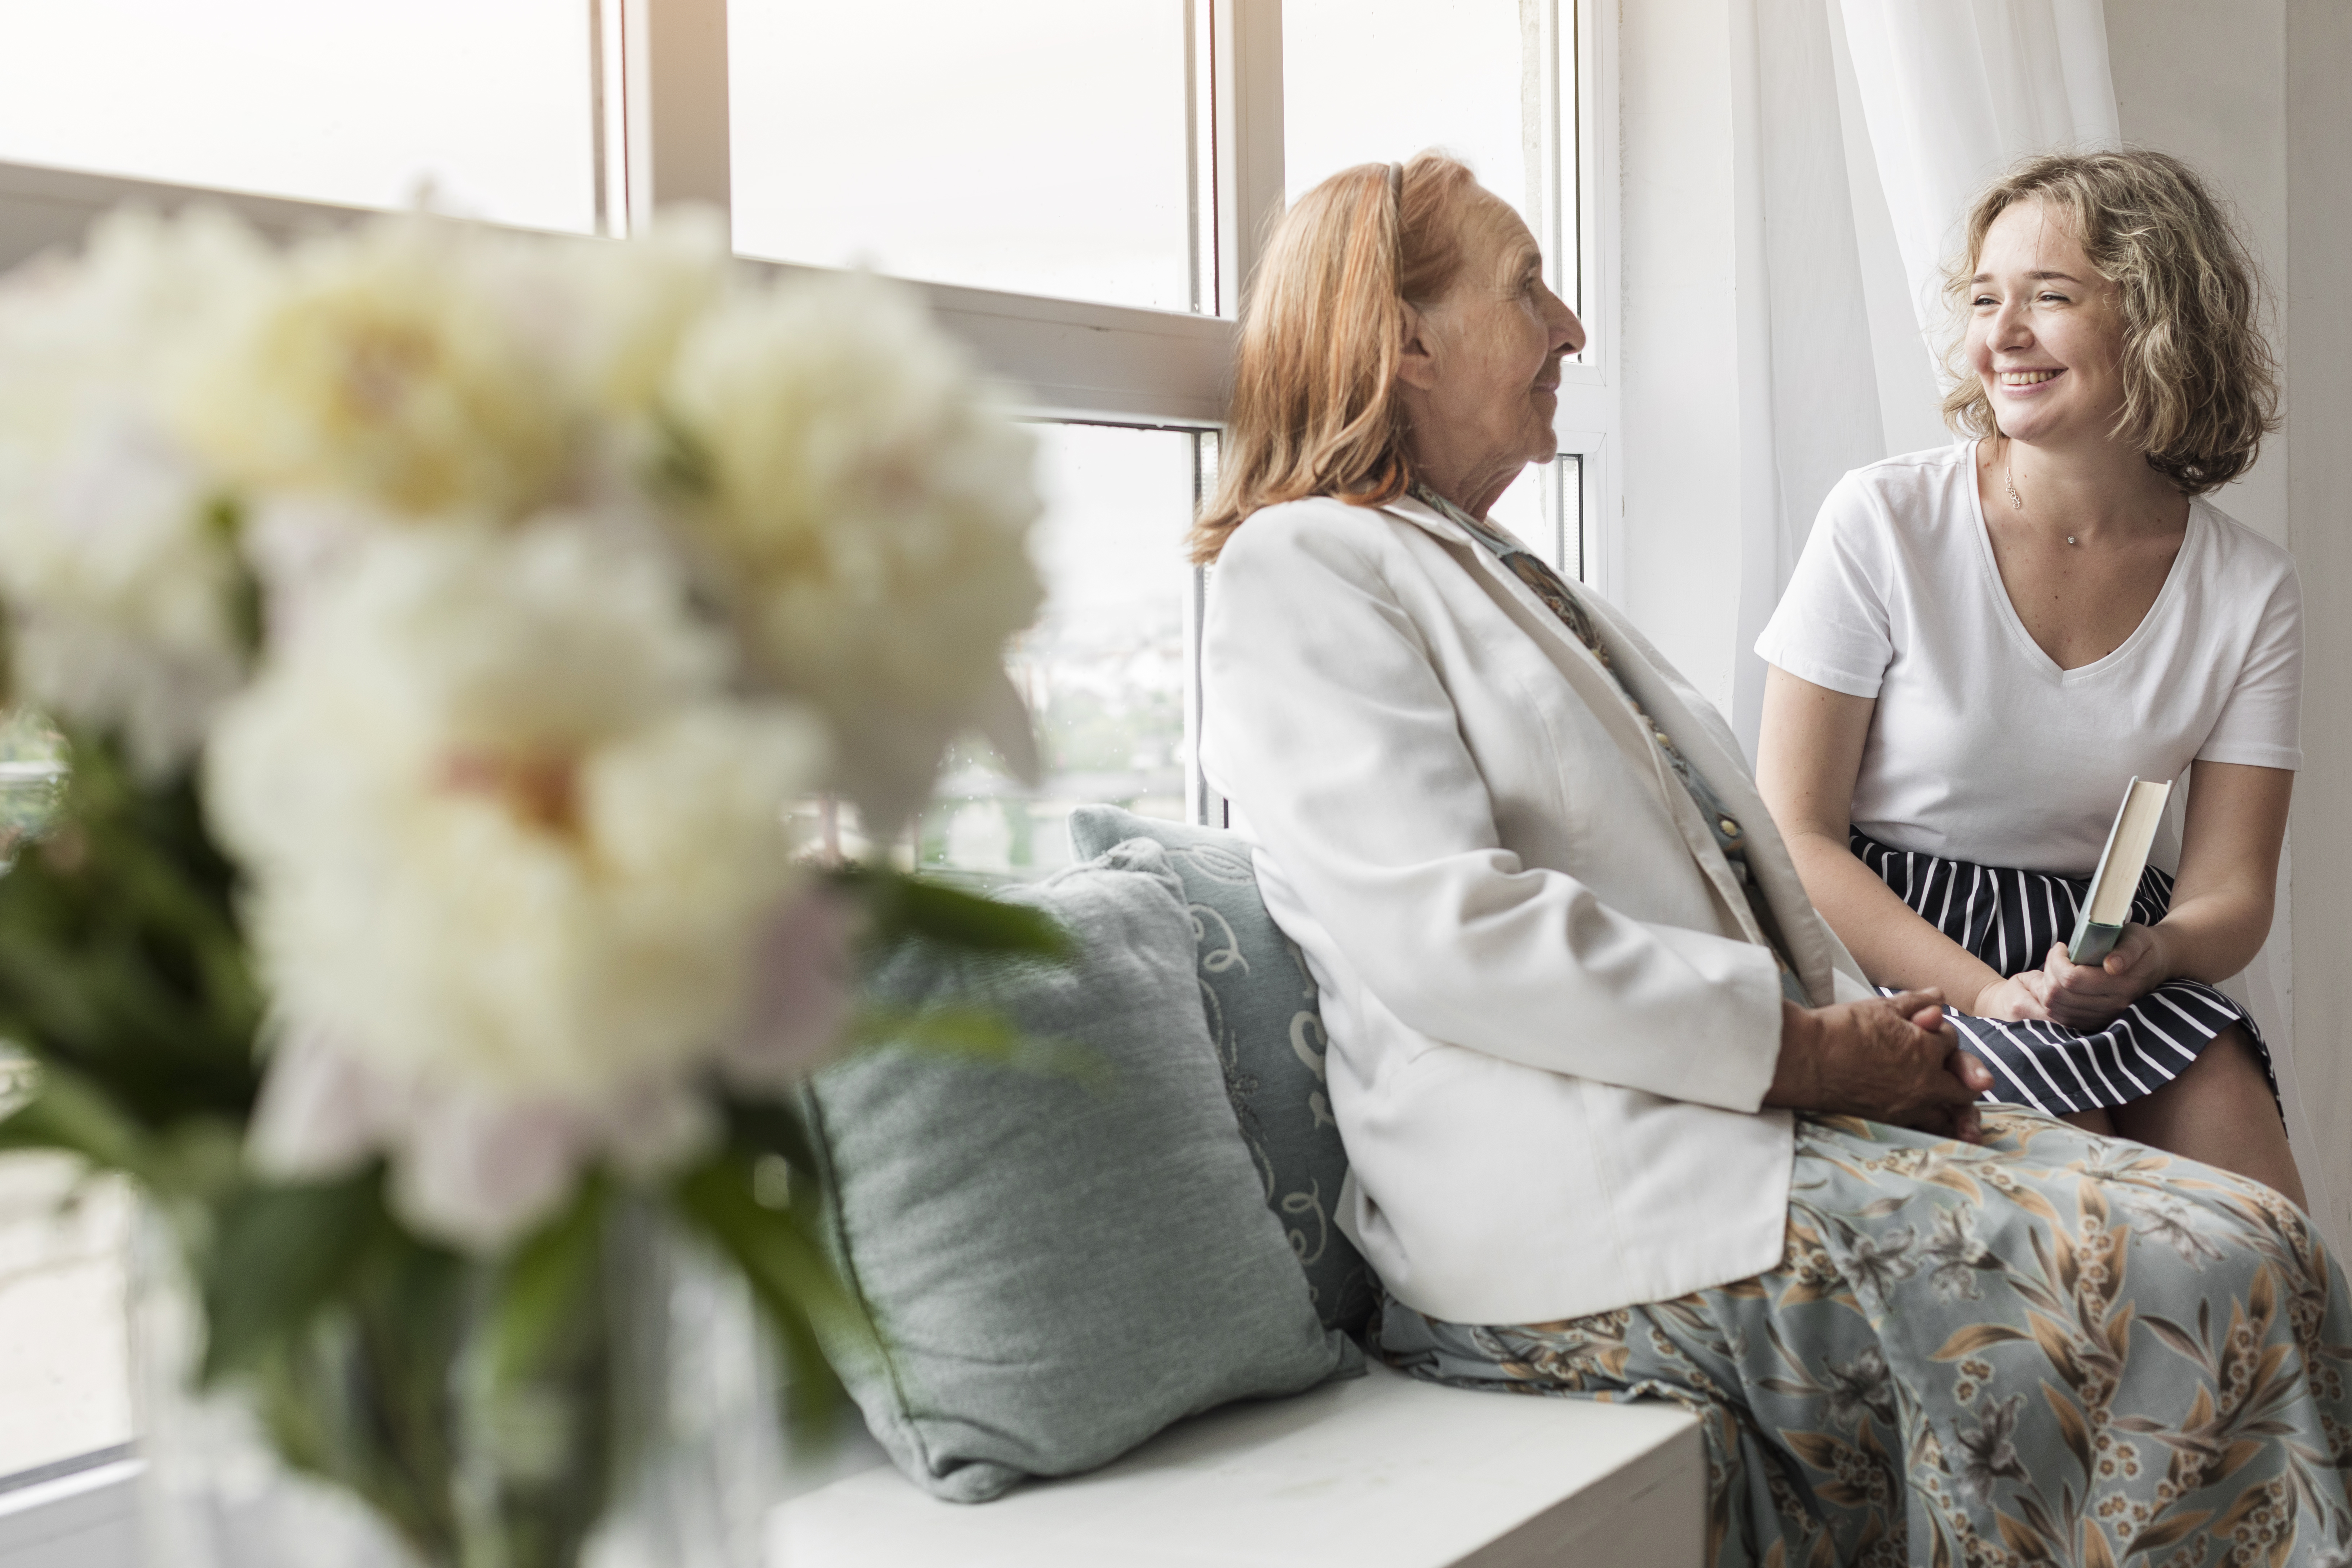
pixel 437 622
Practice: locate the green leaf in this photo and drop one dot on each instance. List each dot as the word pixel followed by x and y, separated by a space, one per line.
pixel 771 1127
pixel 66 1114
pixel 976 1034
pixel 120 955
pixel 682 465
pixel 904 906
pixel 811 1312
pixel 950 1030
pixel 813 1394
pixel 224 519
pixel 543 1287
pixel 279 1256
pixel 783 1264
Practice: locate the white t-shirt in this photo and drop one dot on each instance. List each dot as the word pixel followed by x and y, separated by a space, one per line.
pixel 1981 748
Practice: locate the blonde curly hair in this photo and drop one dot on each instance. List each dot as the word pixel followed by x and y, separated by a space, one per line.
pixel 2200 381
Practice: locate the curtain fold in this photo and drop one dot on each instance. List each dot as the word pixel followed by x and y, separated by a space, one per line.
pixel 1953 90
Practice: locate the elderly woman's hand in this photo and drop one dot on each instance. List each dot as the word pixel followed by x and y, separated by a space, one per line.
pixel 1891 1059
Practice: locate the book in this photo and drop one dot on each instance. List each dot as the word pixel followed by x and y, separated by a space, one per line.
pixel 2109 909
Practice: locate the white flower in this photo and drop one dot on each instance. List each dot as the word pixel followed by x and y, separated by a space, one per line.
pixel 476 1170
pixel 396 362
pixel 116 562
pixel 514 855
pixel 480 1168
pixel 863 514
pixel 626 304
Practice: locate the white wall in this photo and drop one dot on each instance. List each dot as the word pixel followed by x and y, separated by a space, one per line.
pixel 2317 199
pixel 2252 93
pixel 1683 442
pixel 2205 82
pixel 2212 84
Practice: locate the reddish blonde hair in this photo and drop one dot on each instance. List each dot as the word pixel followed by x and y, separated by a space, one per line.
pixel 1314 410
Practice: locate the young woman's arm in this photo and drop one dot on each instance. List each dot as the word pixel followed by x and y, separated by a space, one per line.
pixel 1806 763
pixel 2220 903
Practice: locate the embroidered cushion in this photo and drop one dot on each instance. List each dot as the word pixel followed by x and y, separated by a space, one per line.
pixel 1263 1014
pixel 1061 1263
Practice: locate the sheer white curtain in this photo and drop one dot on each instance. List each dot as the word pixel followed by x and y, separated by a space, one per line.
pixel 1864 127
pixel 1953 90
pixel 1871 125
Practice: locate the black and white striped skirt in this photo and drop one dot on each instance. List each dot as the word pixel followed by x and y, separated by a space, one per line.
pixel 2009 918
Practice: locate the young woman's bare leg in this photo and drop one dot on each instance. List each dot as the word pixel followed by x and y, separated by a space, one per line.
pixel 2219 1111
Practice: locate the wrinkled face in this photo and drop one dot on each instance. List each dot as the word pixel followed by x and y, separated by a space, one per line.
pixel 2045 336
pixel 1498 334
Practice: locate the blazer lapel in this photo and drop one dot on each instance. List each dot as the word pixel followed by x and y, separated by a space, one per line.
pixel 1708 744
pixel 1583 670
pixel 1698 732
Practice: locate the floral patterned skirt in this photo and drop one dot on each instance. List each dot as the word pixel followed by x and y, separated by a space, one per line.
pixel 2051 1347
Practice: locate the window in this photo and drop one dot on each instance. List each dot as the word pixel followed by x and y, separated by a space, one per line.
pixel 1104 670
pixel 1485 85
pixel 484 109
pixel 963 168
pixel 1080 185
pixel 1496 86
pixel 1545 507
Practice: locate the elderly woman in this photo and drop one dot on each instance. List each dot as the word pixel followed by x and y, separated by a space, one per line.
pixel 1984 643
pixel 1624 1118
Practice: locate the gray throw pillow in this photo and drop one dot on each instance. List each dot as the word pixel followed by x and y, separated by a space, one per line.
pixel 1061 1262
pixel 1268 1029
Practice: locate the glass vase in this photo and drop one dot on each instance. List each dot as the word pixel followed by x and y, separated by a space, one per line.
pixel 648 1439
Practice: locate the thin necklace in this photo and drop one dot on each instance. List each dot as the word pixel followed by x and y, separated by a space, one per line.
pixel 2007 456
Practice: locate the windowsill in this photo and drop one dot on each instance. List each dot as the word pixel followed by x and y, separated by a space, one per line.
pixel 64 1351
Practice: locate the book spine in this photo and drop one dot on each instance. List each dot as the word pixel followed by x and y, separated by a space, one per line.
pixel 2091 942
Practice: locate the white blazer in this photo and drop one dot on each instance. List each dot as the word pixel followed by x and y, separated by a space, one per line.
pixel 1551 1016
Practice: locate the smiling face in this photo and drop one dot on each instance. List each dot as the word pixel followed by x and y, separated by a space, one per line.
pixel 1480 376
pixel 2044 335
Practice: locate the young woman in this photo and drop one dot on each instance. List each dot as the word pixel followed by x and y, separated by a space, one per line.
pixel 1984 643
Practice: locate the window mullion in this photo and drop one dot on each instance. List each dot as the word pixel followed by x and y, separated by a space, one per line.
pixel 673 73
pixel 1246 84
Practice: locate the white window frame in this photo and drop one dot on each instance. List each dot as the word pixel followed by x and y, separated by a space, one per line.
pixel 661 138
pixel 663 97
pixel 1591 398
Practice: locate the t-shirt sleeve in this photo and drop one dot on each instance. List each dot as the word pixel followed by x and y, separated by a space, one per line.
pixel 2262 723
pixel 1832 625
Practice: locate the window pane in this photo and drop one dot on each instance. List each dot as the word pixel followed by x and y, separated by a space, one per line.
pixel 1575 548
pixel 326 99
pixel 1545 508
pixel 1104 670
pixel 1482 84
pixel 1044 147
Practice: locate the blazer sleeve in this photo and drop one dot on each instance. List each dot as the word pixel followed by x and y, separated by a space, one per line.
pixel 1327 722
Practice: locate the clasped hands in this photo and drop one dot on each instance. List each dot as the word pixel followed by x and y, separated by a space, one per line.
pixel 1890 1058
pixel 2084 997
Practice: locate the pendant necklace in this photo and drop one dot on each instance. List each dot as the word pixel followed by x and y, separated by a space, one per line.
pixel 2011 485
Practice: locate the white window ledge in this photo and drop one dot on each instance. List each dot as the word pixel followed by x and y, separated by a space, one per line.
pixel 1061 359
pixel 86 1518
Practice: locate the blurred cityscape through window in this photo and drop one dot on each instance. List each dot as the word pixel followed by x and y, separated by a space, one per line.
pixel 1103 670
